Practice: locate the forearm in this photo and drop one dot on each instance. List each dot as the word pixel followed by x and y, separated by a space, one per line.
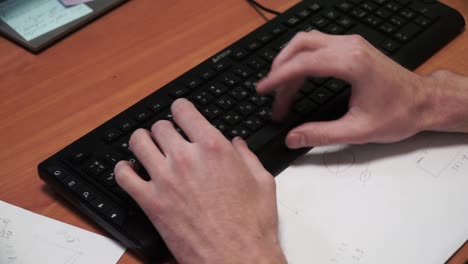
pixel 446 102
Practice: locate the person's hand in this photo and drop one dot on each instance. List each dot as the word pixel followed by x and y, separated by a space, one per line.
pixel 388 103
pixel 211 201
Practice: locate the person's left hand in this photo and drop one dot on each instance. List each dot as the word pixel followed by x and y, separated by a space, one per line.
pixel 211 201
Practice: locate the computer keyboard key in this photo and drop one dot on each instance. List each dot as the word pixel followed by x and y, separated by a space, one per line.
pixel 79 157
pixel 221 126
pixel 179 92
pixel 305 107
pixel 239 131
pixel 380 2
pixel 207 74
pixel 392 6
pixel 407 32
pixel 265 113
pixel 344 6
pixel 422 21
pixel 257 63
pixel 211 112
pixel 292 21
pixel 192 83
pixel 202 98
pixel 222 65
pixel 368 6
pixel 127 125
pixel 345 22
pixel 116 215
pixel 158 107
pixel 230 79
pixel 239 93
pixel 253 123
pixel 358 13
pixel 320 22
pixel 71 183
pixel 253 45
pixel 108 179
pixel 304 13
pixel 277 30
pixel 314 7
pixel 407 14
pixel 245 108
pixel 336 85
pixel 217 88
pixel 95 167
pixel 226 102
pixel 86 193
pixel 232 118
pixel 398 21
pixel 390 45
pixel 112 134
pixel 243 72
pixel 334 29
pixel 321 95
pixel 112 158
pixel 57 172
pixel 383 13
pixel 143 116
pixel 387 28
pixel 265 38
pixel 101 205
pixel 239 54
pixel 332 15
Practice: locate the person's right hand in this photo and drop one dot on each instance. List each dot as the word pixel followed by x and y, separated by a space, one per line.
pixel 388 103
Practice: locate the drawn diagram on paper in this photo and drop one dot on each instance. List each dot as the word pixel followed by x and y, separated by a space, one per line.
pixel 434 164
pixel 343 163
pixel 339 162
pixel 29 238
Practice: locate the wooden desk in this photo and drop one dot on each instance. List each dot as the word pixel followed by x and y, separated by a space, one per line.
pixel 49 100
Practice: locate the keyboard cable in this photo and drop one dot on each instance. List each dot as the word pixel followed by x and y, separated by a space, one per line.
pixel 258 6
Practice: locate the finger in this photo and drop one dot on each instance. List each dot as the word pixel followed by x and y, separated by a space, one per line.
pixel 249 158
pixel 322 63
pixel 302 41
pixel 166 136
pixel 194 124
pixel 284 98
pixel 147 153
pixel 346 130
pixel 131 182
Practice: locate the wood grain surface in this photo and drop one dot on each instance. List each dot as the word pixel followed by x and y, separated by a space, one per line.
pixel 49 100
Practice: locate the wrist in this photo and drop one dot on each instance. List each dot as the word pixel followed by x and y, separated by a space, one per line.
pixel 444 102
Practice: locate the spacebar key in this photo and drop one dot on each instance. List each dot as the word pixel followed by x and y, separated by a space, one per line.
pixel 268 133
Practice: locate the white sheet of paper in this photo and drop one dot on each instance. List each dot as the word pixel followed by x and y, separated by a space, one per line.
pixel 33 18
pixel 377 203
pixel 29 238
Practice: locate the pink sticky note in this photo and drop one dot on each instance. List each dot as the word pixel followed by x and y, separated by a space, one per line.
pixel 74 2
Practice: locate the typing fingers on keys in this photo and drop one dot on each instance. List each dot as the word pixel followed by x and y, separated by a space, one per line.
pixel 193 123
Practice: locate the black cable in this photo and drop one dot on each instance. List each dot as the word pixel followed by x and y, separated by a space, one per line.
pixel 264 8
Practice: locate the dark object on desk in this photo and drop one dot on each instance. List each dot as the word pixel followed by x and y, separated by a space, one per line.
pixel 223 89
pixel 44 41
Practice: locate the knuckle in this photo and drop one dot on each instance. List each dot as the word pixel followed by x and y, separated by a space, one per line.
pixel 182 158
pixel 213 145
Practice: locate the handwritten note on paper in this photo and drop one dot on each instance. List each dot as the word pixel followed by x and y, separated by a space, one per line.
pixel 28 238
pixel 376 203
pixel 31 19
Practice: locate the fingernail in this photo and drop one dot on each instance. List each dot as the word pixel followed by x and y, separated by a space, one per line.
pixel 296 141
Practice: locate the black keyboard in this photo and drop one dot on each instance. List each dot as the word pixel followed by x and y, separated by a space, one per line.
pixel 223 89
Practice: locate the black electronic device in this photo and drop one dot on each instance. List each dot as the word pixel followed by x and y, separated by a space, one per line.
pixel 223 89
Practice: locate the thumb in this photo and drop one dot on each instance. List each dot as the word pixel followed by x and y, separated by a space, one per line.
pixel 346 130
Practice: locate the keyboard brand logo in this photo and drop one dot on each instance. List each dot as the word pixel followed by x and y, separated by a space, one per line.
pixel 221 56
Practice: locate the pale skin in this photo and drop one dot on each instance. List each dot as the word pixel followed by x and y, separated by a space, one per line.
pixel 213 202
